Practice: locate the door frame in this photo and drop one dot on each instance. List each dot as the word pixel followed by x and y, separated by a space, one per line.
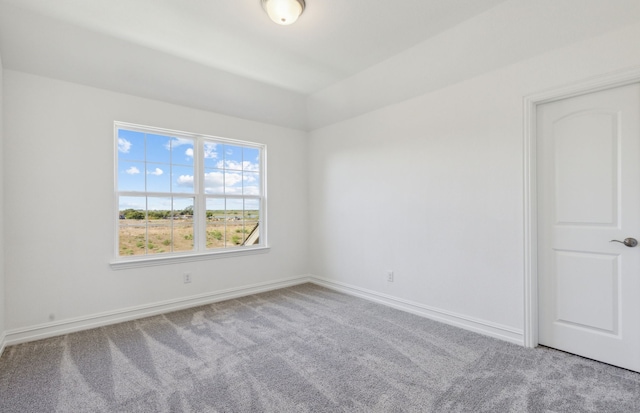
pixel 530 104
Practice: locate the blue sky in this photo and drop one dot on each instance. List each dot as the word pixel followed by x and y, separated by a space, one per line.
pixel 157 163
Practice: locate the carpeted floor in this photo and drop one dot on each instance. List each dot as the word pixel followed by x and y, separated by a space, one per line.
pixel 301 349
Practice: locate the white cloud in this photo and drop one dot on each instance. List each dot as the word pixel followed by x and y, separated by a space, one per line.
pixel 245 165
pixel 133 171
pixel 231 179
pixel 215 183
pixel 185 180
pixel 157 172
pixel 214 179
pixel 176 142
pixel 210 151
pixel 189 152
pixel 124 145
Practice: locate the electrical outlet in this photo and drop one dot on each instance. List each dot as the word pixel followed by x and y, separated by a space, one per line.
pixel 186 277
pixel 390 276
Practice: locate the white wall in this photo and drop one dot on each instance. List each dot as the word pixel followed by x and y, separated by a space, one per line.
pixel 512 31
pixel 59 220
pixel 2 282
pixel 433 189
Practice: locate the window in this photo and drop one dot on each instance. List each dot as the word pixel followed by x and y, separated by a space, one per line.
pixel 186 194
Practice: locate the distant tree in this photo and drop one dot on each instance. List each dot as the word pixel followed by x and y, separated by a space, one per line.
pixel 159 214
pixel 132 214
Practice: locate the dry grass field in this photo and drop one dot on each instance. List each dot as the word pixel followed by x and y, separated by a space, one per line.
pixel 155 236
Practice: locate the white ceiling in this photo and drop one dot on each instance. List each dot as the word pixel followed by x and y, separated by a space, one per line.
pixel 226 56
pixel 332 40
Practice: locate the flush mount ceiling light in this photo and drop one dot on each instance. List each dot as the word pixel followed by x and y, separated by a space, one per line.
pixel 283 12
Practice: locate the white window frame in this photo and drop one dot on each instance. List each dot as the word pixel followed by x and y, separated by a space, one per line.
pixel 200 252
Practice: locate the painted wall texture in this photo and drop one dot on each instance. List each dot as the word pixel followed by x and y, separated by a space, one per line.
pixel 59 192
pixel 2 271
pixel 432 187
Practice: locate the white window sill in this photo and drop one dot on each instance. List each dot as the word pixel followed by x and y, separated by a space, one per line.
pixel 149 261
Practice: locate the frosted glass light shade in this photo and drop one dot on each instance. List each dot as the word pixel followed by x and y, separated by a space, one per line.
pixel 283 12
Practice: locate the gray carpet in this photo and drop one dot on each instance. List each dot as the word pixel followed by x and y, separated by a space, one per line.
pixel 301 349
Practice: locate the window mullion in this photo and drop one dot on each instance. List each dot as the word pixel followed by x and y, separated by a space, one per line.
pixel 200 213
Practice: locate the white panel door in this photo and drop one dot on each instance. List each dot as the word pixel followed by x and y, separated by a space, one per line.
pixel 588 162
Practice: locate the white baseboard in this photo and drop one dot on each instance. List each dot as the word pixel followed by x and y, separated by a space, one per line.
pixel 469 323
pixel 61 327
pixel 47 330
pixel 3 342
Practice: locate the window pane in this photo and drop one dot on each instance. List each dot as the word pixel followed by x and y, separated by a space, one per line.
pixel 159 203
pixel 164 165
pixel 182 151
pixel 132 225
pixel 251 183
pixel 159 241
pixel 235 232
pixel 158 148
pixel 251 159
pixel 212 155
pixel 131 176
pixel 158 178
pixel 214 181
pixel 216 223
pixel 132 203
pixel 251 221
pixel 235 206
pixel 183 224
pixel 233 182
pixel 158 225
pixel 233 157
pixel 235 226
pixel 130 145
pixel 132 237
pixel 182 180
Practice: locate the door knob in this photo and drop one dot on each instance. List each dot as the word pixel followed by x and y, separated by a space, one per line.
pixel 629 242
